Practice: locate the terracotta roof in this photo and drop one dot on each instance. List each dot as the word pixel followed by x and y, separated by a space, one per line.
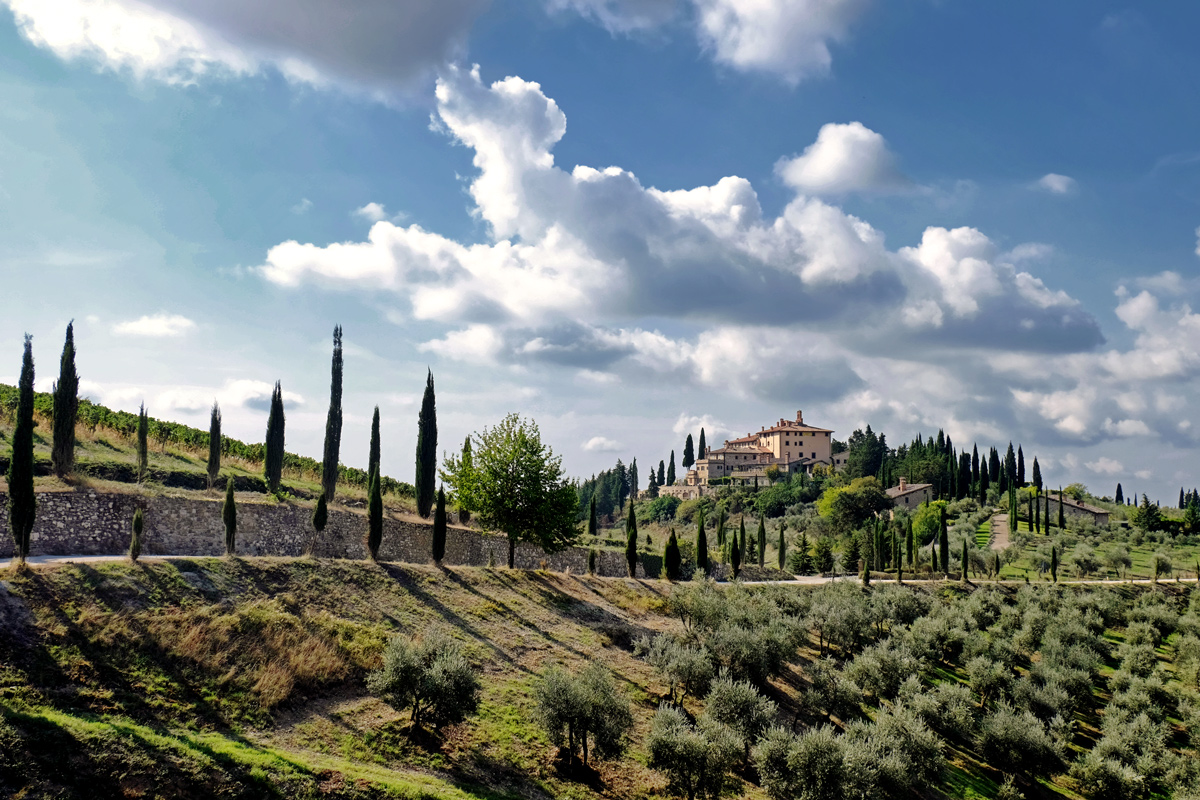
pixel 794 427
pixel 908 489
pixel 1073 503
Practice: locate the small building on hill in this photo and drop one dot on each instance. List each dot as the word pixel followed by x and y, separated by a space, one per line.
pixel 789 445
pixel 910 495
pixel 1073 508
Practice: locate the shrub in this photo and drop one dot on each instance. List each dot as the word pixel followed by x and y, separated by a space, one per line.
pixel 687 671
pixel 739 706
pixel 431 678
pixel 805 767
pixel 1016 742
pixel 695 758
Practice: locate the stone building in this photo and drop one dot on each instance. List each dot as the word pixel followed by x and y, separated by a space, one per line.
pixel 789 445
pixel 1073 508
pixel 910 495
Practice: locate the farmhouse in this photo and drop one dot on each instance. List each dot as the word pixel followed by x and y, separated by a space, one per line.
pixel 1073 508
pixel 910 495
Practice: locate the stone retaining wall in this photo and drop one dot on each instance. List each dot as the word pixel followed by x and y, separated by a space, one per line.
pixel 87 522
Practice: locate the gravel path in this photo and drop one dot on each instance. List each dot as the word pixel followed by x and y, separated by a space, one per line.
pixel 1000 539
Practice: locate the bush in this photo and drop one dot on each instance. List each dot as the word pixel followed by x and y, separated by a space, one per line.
pixel 432 678
pixel 573 709
pixel 739 706
pixel 1016 742
pixel 806 767
pixel 695 758
pixel 661 509
pixel 687 671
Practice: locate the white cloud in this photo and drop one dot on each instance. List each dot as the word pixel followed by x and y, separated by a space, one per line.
pixel 601 444
pixel 788 38
pixel 1126 427
pixel 1198 241
pixel 620 16
pixel 372 212
pixel 1056 184
pixel 1105 466
pixel 240 393
pixel 378 47
pixel 844 158
pixel 303 207
pixel 157 325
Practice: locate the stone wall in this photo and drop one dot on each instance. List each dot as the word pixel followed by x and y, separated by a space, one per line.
pixel 87 522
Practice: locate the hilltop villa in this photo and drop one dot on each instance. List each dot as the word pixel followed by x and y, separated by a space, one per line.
pixel 789 445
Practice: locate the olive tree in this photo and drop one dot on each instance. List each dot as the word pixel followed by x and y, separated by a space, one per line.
pixel 696 758
pixel 432 678
pixel 584 713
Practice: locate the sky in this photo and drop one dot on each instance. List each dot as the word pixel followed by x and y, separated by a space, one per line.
pixel 917 214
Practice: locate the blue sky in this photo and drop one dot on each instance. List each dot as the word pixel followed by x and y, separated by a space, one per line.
pixel 624 218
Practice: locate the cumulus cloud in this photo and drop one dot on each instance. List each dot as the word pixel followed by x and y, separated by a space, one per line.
pixel 242 393
pixel 372 45
pixel 788 38
pixel 1056 184
pixel 156 325
pixel 1105 466
pixel 620 16
pixel 601 444
pixel 372 212
pixel 844 158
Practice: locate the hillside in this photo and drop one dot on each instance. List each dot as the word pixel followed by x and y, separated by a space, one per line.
pixel 246 678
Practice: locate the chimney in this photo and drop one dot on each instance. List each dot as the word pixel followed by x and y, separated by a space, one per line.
pixel 903 485
pixel 799 417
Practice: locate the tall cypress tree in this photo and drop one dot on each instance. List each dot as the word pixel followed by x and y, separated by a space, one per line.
pixel 662 473
pixel 762 539
pixel 689 453
pixel 1037 512
pixel 1054 563
pixel 333 422
pixel 943 541
pixel 782 544
pixel 671 472
pixel 702 450
pixel 672 560
pixel 735 552
pixel 438 540
pixel 910 542
pixel 1020 467
pixel 135 541
pixel 1120 497
pixel 66 408
pixel 143 432
pixel 975 465
pixel 1182 501
pixel 467 463
pixel 229 517
pixel 631 543
pixel 373 452
pixel 899 561
pixel 22 503
pixel 964 561
pixel 1062 520
pixel 320 517
pixel 426 449
pixel 1037 474
pixel 701 543
pixel 214 445
pixel 868 556
pixel 374 520
pixel 593 528
pixel 273 450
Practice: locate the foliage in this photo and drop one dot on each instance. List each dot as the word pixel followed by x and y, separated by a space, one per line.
pixel 66 408
pixel 333 421
pixel 273 448
pixel 695 757
pixel 672 561
pixel 22 502
pixel 438 535
pixel 848 507
pixel 631 545
pixel 661 509
pixel 741 707
pixel 516 485
pixel 426 471
pixel 431 678
pixel 213 466
pixel 229 518
pixel 374 520
pixel 320 517
pixel 143 428
pixel 686 669
pixel 135 540
pixel 584 713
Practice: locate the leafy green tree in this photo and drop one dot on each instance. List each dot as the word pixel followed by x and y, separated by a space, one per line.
pixel 143 456
pixel 687 670
pixel 671 470
pixel 333 421
pixel 426 449
pixel 1146 517
pixel 374 520
pixel 229 517
pixel 865 453
pixel 1016 742
pixel 810 766
pixel 696 758
pixel 373 451
pixel 516 485
pixel 672 560
pixel 430 677
pixel 1162 565
pixel 631 543
pixel 701 543
pixel 66 408
pixel 1191 514
pixel 849 507
pixel 214 445
pixel 22 502
pixel 584 713
pixel 273 452
pixel 851 554
pixel 135 541
pixel 438 538
pixel 689 453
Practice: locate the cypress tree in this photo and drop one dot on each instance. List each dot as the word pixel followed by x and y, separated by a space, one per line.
pixel 867 557
pixel 701 543
pixel 993 466
pixel 782 545
pixel 1182 502
pixel 439 527
pixel 273 451
pixel 229 517
pixel 964 561
pixel 899 561
pixel 721 528
pixel 703 449
pixel 1037 475
pixel 735 552
pixel 911 542
pixel 320 517
pixel 984 485
pixel 426 449
pixel 1020 467
pixel 1062 520
pixel 662 473
pixel 631 542
pixel 374 520
pixel 762 539
pixel 943 542
pixel 996 564
pixel 468 461
pixel 671 470
pixel 1037 512
pixel 66 408
pixel 689 453
pixel 672 561
pixel 22 503
pixel 740 541
pixel 593 528
pixel 143 432
pixel 135 541
pixel 214 445
pixel 1054 563
pixel 1120 498
pixel 591 563
pixel 933 557
pixel 333 422
pixel 974 465
pixel 633 478
pixel 373 451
